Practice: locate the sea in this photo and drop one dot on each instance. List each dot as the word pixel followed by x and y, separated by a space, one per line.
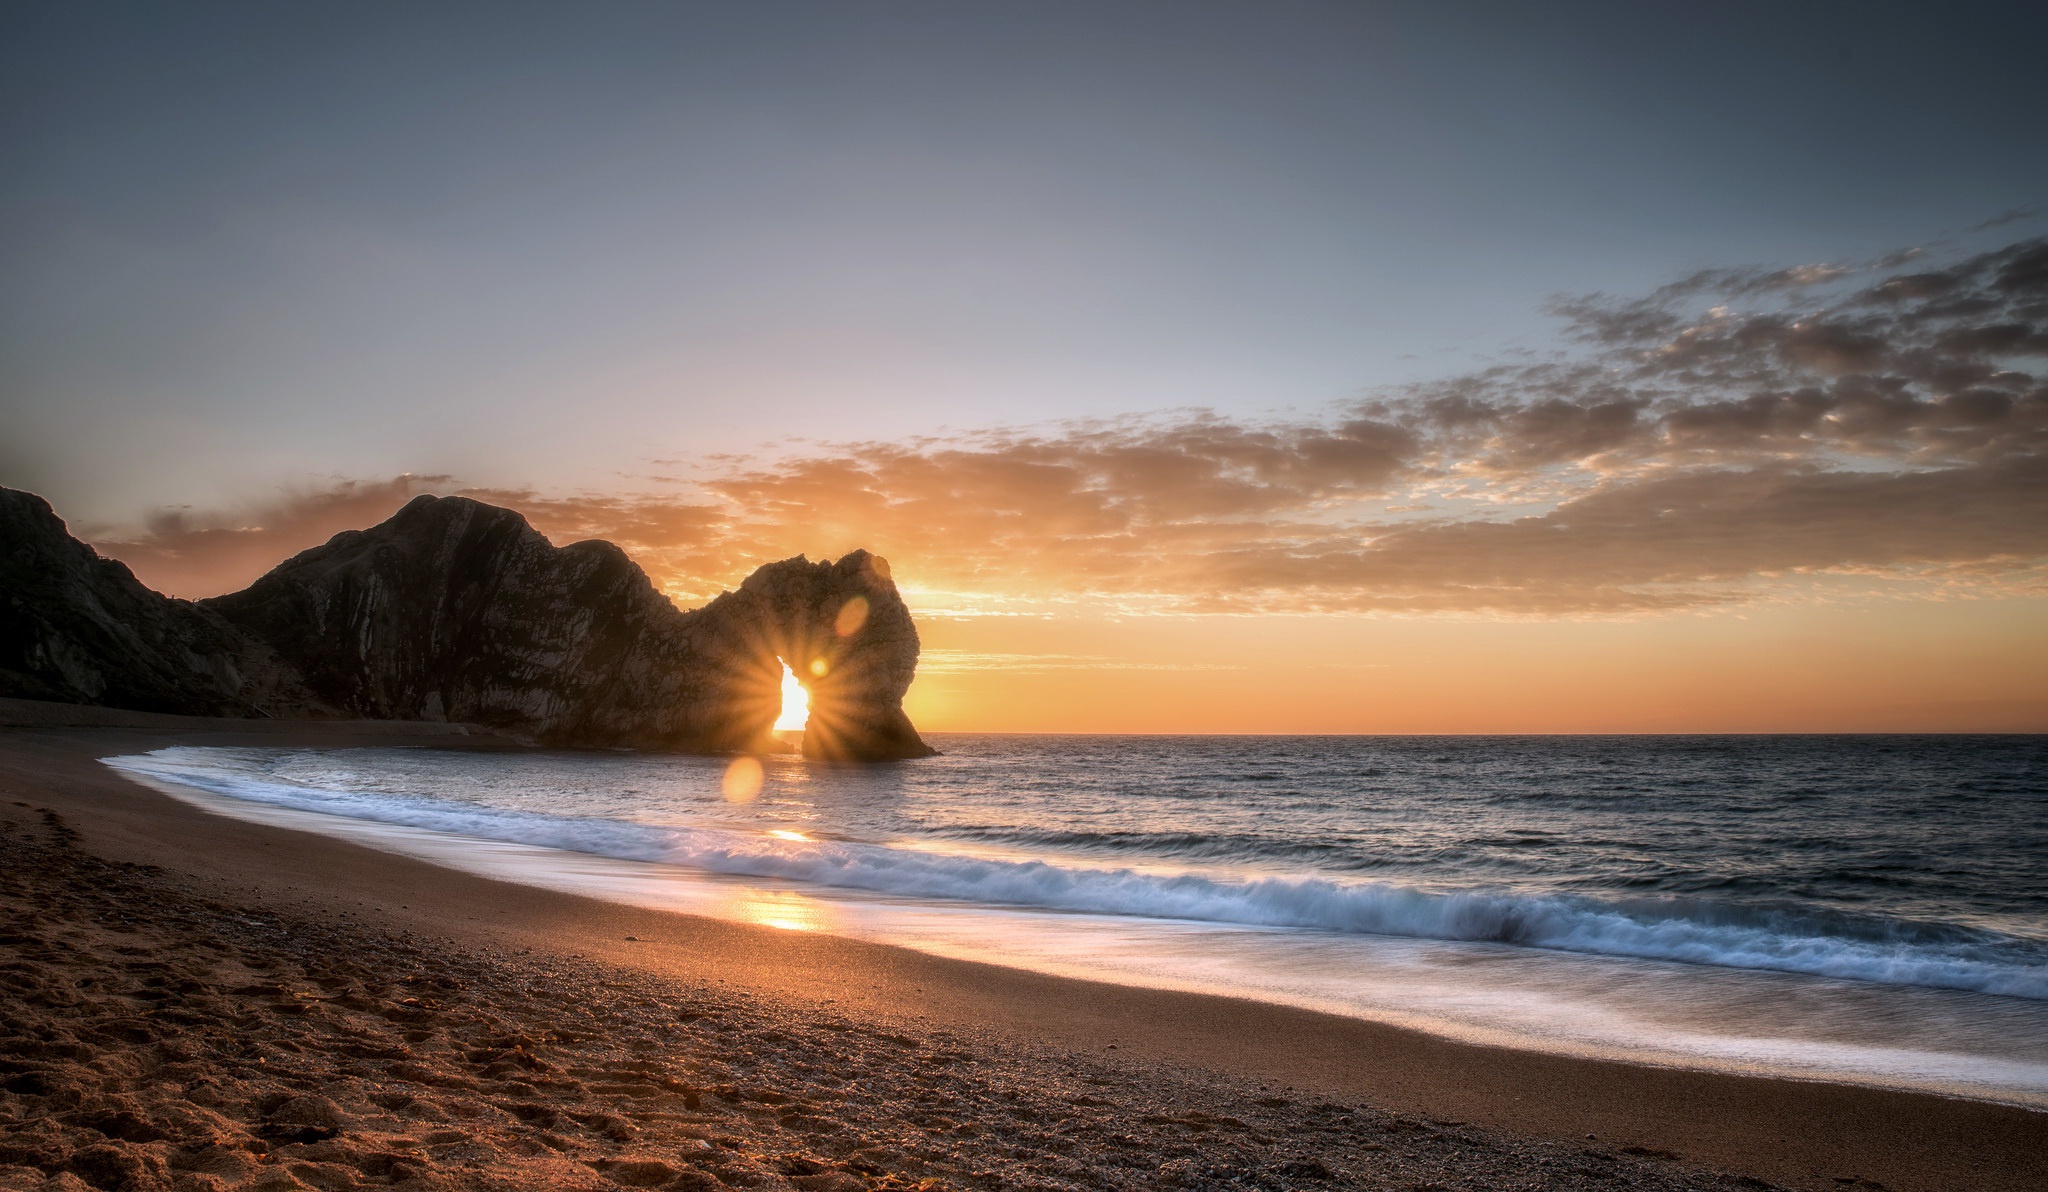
pixel 1864 909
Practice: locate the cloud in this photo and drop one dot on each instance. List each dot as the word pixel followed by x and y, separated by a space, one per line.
pixel 1690 538
pixel 1741 434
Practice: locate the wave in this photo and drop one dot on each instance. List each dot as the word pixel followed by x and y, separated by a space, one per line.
pixel 1202 846
pixel 1733 935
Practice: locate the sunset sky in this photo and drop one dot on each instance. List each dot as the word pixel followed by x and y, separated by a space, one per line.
pixel 1198 367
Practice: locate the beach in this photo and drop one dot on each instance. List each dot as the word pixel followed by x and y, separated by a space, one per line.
pixel 202 1002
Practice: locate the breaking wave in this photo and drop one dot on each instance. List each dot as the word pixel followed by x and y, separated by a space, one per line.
pixel 1734 935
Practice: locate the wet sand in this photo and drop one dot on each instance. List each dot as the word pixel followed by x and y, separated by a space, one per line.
pixel 196 1002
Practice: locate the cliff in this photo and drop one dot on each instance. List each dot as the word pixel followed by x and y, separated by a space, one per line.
pixel 76 628
pixel 458 610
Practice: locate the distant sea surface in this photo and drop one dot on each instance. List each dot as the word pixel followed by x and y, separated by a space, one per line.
pixel 1860 908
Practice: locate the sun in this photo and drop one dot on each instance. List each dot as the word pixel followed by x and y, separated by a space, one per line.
pixel 796 704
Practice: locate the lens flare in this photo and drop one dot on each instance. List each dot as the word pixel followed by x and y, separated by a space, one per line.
pixel 742 781
pixel 852 615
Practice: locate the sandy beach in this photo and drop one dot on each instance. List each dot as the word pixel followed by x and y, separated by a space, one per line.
pixel 195 1002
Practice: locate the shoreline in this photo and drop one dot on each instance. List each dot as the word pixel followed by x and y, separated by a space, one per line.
pixel 1799 1133
pixel 1674 1022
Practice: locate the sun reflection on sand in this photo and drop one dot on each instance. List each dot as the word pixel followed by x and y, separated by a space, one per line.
pixel 783 911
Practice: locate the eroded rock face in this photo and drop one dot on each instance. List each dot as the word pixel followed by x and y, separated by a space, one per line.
pixel 848 637
pixel 79 629
pixel 458 610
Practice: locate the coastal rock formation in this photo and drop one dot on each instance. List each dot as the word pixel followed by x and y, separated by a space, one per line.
pixel 846 635
pixel 77 628
pixel 458 610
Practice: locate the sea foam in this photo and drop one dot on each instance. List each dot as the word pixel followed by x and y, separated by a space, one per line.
pixel 1767 937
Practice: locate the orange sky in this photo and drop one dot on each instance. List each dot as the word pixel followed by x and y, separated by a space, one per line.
pixel 1811 499
pixel 1870 667
pixel 1861 661
pixel 1337 367
pixel 1866 658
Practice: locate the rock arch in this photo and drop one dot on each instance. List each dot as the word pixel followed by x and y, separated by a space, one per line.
pixel 457 610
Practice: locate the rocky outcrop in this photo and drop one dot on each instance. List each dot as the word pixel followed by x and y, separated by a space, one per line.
pixel 458 610
pixel 79 629
pixel 847 636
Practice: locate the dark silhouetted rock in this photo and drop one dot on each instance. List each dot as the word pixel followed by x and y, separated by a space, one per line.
pixel 846 634
pixel 79 629
pixel 458 610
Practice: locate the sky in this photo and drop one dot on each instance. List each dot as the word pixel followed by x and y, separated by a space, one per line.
pixel 1199 367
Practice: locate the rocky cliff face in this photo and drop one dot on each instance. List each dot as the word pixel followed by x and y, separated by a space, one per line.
pixel 457 610
pixel 79 629
pixel 844 632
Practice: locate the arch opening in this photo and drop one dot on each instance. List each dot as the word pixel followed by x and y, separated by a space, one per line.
pixel 796 703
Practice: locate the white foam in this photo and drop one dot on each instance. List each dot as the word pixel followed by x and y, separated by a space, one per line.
pixel 1727 1019
pixel 1763 939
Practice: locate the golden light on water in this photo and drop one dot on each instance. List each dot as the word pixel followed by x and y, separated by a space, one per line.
pixel 742 781
pixel 787 834
pixel 796 704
